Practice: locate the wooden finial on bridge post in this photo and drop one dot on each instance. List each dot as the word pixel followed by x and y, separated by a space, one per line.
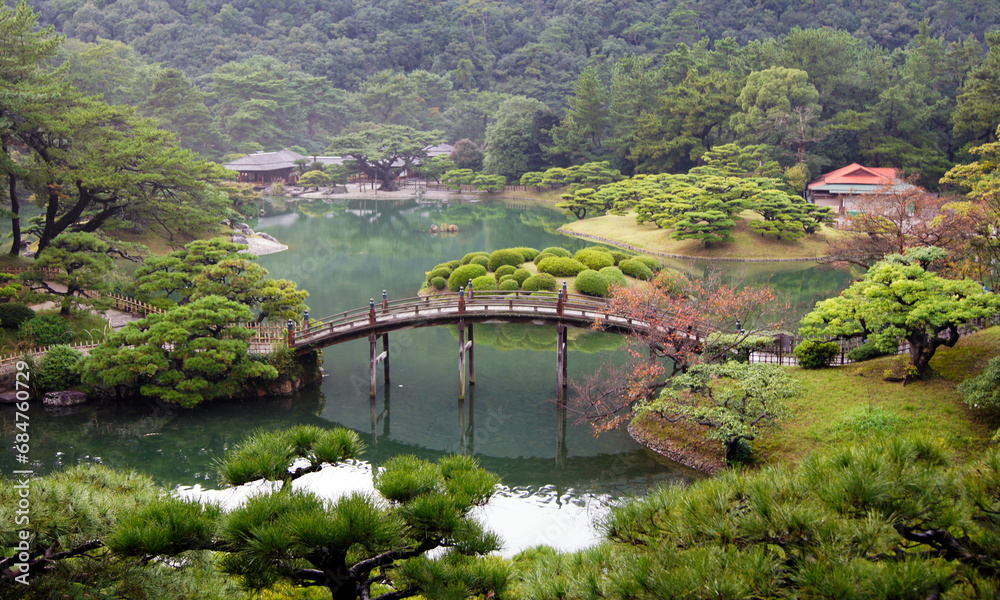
pixel 461 300
pixel 305 321
pixel 471 291
pixel 371 311
pixel 291 333
pixel 385 301
pixel 561 302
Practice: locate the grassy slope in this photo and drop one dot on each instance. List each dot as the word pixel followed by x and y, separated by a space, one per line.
pixel 931 408
pixel 746 245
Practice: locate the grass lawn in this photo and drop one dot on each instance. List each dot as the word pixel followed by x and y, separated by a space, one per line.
pixel 746 245
pixel 855 404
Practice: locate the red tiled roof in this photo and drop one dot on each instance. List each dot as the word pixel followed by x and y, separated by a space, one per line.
pixel 857 175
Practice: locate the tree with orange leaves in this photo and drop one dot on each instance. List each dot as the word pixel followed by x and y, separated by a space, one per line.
pixel 678 313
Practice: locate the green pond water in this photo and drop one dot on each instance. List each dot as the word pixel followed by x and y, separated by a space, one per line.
pixel 559 475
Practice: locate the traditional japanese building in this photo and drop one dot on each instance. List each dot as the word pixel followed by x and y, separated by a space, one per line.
pixel 838 189
pixel 266 167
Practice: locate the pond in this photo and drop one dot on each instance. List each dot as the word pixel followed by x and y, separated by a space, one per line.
pixel 558 475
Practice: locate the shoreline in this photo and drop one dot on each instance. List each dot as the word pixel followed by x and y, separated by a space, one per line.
pixel 626 246
pixel 669 450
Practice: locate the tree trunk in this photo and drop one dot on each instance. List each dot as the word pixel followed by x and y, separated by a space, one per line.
pixel 15 208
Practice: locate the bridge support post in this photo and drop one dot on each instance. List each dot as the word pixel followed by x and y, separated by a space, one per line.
pixel 461 360
pixel 562 350
pixel 472 357
pixel 375 359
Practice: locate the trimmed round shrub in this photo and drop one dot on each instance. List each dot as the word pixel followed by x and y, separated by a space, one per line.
pixel 557 251
pixel 504 270
pixel 545 255
pixel 868 351
pixel 507 256
pixel 528 253
pixel 509 285
pixel 439 283
pixel 508 277
pixel 461 275
pixel 482 261
pixel 635 268
pixel 46 330
pixel 543 282
pixel 55 370
pixel 653 264
pixel 439 272
pixel 12 314
pixel 813 354
pixel 595 259
pixel 486 283
pixel 619 256
pixel 604 249
pixel 453 264
pixel 614 276
pixel 520 275
pixel 561 267
pixel 592 283
pixel 468 257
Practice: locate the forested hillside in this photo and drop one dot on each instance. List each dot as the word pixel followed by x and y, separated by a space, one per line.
pixel 648 85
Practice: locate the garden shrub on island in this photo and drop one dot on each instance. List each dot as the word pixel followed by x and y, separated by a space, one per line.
pixel 509 256
pixel 521 275
pixel 592 283
pixel 504 270
pixel 439 283
pixel 614 276
pixel 557 251
pixel 460 276
pixel 543 282
pixel 561 267
pixel 46 330
pixel 529 254
pixel 509 285
pixel 483 261
pixel 57 369
pixel 468 257
pixel 636 268
pixel 484 283
pixel 545 255
pixel 444 272
pixel 595 259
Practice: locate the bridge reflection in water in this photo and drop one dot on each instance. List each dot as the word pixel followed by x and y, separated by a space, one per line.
pixel 466 444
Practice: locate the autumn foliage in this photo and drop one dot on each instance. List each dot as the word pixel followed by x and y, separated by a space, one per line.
pixel 678 313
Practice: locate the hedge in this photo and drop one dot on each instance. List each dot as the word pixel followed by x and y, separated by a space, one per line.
pixel 507 256
pixel 813 354
pixel 483 261
pixel 509 285
pixel 521 274
pixel 527 253
pixel 508 277
pixel 484 283
pixel 653 264
pixel 543 282
pixel 619 256
pixel 636 268
pixel 739 345
pixel 439 272
pixel 461 275
pixel 453 264
pixel 614 276
pixel 561 267
pixel 12 314
pixel 439 283
pixel 46 330
pixel 545 255
pixel 868 351
pixel 557 251
pixel 592 283
pixel 504 270
pixel 468 257
pixel 595 259
pixel 55 370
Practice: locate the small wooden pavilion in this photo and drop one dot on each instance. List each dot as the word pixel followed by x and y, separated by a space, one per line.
pixel 264 168
pixel 839 189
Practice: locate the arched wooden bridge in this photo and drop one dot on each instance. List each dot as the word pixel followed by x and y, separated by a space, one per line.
pixel 553 308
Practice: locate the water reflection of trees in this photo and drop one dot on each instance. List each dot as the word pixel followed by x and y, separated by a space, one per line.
pixel 519 336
